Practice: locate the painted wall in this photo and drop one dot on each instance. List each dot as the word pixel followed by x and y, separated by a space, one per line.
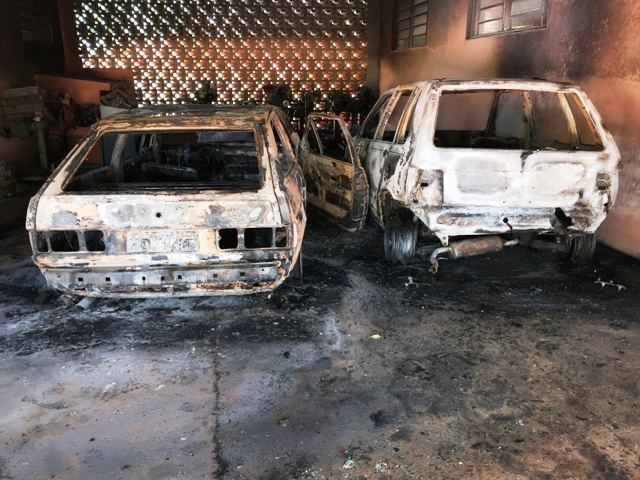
pixel 19 61
pixel 593 43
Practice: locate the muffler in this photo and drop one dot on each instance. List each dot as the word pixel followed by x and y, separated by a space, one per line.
pixel 470 248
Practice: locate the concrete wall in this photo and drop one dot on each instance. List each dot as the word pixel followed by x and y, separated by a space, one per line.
pixel 593 43
pixel 19 61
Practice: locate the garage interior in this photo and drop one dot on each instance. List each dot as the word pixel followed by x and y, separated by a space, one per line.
pixel 515 365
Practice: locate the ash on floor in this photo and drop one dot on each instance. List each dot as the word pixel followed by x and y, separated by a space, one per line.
pixel 515 365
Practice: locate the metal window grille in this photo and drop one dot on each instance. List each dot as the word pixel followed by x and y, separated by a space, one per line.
pixel 410 24
pixel 489 17
pixel 239 46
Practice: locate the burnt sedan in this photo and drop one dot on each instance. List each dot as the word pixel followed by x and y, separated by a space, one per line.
pixel 182 200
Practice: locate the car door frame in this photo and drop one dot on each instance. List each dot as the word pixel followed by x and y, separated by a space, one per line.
pixel 288 182
pixel 384 156
pixel 325 174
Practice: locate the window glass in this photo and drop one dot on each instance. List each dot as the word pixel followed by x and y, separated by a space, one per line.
pixel 35 22
pixel 371 124
pixel 551 126
pixel 187 159
pixel 285 154
pixel 410 27
pixel 526 14
pixel 495 16
pixel 584 124
pixel 393 122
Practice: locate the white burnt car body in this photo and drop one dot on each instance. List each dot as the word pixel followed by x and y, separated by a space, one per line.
pixel 489 162
pixel 195 200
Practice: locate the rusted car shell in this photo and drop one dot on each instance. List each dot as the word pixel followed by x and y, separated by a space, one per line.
pixel 196 215
pixel 450 191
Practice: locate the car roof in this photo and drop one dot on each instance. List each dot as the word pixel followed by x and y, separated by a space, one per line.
pixel 489 82
pixel 187 115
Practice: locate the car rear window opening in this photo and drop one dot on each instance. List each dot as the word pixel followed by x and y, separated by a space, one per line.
pixel 175 160
pixel 514 120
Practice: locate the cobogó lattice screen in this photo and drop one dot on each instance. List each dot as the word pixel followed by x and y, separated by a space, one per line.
pixel 174 47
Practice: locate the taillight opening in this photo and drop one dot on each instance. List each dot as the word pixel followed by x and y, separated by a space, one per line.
pixel 94 240
pixel 228 239
pixel 258 238
pixel 67 241
pixel 63 241
pixel 261 238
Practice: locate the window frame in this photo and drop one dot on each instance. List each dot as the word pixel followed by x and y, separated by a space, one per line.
pixel 474 13
pixel 278 126
pixel 35 22
pixel 323 153
pixel 576 143
pixel 380 107
pixel 70 167
pixel 411 18
pixel 311 130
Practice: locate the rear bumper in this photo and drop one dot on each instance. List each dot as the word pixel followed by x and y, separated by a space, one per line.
pixel 453 221
pixel 215 279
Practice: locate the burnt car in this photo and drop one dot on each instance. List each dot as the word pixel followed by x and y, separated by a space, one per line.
pixel 191 200
pixel 479 165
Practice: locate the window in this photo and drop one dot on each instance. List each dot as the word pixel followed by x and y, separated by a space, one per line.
pixel 500 119
pixel 370 126
pixel 587 134
pixel 410 25
pixel 174 160
pixel 285 153
pixel 312 139
pixel 34 22
pixel 481 119
pixel 334 143
pixel 488 17
pixel 395 118
pixel 551 126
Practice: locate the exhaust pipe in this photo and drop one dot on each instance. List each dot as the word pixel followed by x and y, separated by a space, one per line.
pixel 470 248
pixel 85 303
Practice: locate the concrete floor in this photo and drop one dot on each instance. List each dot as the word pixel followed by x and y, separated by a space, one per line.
pixel 514 366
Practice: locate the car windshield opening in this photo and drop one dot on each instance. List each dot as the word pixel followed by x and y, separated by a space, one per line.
pixel 513 120
pixel 170 160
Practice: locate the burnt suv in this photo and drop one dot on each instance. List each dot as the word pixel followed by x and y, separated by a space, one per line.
pixel 191 200
pixel 476 165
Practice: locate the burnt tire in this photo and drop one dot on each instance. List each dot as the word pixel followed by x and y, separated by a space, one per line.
pixel 582 248
pixel 400 237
